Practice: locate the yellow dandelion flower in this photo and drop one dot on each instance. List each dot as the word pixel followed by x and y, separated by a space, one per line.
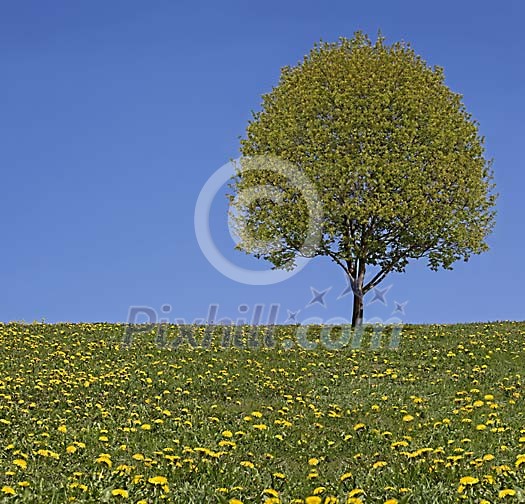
pixel 313 499
pixel 505 492
pixel 120 492
pixel 345 476
pixel 8 490
pixel 103 459
pixel 158 480
pixel 20 463
pixel 468 480
pixel 520 460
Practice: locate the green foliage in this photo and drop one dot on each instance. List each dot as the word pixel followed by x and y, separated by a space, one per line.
pixel 396 161
pixel 82 416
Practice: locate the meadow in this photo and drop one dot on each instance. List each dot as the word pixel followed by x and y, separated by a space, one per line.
pixel 89 416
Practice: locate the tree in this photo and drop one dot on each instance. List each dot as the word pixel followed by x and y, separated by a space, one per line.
pixel 395 165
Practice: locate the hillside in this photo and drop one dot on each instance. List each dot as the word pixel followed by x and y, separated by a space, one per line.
pixel 87 418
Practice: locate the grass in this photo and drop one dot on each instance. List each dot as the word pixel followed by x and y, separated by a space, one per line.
pixel 84 418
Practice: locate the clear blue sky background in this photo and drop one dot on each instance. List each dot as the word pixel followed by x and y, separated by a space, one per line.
pixel 114 114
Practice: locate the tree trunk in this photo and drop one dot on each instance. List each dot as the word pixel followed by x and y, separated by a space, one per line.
pixel 357 313
pixel 357 288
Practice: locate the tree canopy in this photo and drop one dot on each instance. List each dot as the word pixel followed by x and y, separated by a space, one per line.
pixel 396 166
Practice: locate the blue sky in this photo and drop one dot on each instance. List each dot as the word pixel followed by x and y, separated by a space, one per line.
pixel 115 114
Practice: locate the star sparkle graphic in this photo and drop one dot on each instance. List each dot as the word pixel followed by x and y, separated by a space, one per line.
pixel 318 296
pixel 380 295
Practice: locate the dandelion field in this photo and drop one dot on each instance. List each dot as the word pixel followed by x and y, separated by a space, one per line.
pixel 86 418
